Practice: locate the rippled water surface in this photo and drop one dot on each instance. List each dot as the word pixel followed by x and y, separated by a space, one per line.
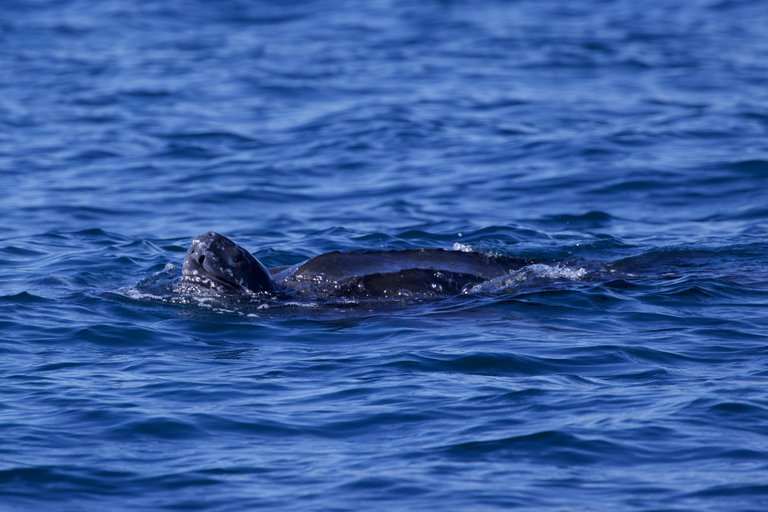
pixel 620 145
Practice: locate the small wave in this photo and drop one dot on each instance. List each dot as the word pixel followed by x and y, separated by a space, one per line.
pixel 532 273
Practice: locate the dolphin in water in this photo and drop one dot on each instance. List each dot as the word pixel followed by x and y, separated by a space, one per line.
pixel 215 262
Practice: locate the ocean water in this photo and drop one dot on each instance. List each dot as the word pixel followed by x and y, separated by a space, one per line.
pixel 623 144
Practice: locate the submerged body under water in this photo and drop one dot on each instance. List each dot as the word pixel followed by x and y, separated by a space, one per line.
pixel 615 149
pixel 216 267
pixel 216 264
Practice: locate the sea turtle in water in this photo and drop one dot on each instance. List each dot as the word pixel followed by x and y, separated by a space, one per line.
pixel 214 261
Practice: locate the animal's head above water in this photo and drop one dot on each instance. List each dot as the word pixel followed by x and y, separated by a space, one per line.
pixel 215 261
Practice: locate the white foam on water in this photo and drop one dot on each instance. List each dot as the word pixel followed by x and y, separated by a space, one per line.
pixel 526 275
pixel 302 304
pixel 134 293
pixel 462 247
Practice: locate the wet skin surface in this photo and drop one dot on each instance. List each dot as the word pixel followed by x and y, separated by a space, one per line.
pixel 214 261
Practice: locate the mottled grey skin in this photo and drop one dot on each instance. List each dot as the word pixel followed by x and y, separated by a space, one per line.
pixel 216 262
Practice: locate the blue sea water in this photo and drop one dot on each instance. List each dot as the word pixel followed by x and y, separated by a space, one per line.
pixel 622 142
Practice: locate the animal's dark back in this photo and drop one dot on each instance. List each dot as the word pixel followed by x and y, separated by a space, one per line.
pixel 338 265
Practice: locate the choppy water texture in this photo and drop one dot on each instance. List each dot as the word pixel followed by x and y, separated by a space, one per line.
pixel 623 142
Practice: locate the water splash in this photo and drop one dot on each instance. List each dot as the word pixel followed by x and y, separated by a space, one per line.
pixel 538 274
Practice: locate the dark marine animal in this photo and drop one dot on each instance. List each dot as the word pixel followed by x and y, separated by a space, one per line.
pixel 216 262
